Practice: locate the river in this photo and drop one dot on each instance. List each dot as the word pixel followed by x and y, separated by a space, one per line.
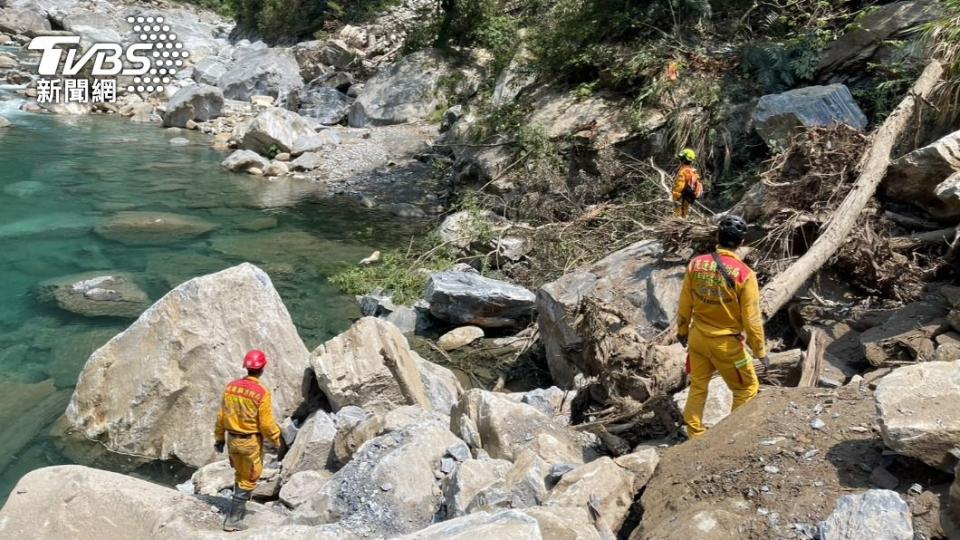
pixel 60 176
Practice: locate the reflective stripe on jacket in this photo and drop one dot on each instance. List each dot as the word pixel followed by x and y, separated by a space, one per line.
pixel 707 302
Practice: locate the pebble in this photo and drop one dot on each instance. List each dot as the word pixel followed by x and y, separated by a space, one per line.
pixel 386 486
pixel 818 424
pixel 459 452
pixel 810 453
pixel 447 465
pixel 771 469
pixel 916 489
pixel 818 409
pixel 773 441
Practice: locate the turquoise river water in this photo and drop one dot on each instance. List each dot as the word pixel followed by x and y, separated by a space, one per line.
pixel 60 176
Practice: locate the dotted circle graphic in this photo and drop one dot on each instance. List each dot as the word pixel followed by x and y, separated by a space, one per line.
pixel 167 55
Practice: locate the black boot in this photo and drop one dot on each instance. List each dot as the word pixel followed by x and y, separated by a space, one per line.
pixel 237 511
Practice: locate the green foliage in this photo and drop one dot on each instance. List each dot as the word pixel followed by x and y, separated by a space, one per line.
pixel 472 23
pixel 777 67
pixel 895 77
pixel 399 273
pixel 222 7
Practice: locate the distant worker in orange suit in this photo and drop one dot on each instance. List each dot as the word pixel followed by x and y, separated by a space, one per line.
pixel 719 304
pixel 244 421
pixel 688 187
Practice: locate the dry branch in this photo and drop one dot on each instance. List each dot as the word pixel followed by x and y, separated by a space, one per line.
pixel 873 168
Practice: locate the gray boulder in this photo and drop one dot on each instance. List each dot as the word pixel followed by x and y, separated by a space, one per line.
pixel 778 116
pixel 468 298
pixel 328 105
pixel 611 485
pixel 927 177
pixel 470 479
pixel 878 514
pixel 210 70
pixel 274 130
pixel 632 279
pixel 440 384
pixel 28 19
pixel 355 426
pixel 71 501
pixel 919 410
pixel 410 89
pixel 198 102
pixel 313 448
pixel 264 72
pixel 512 524
pixel 370 366
pixel 243 160
pixel 215 477
pixel 389 488
pixel 317 58
pixel 95 294
pixel 863 42
pixel 154 390
pixel 301 486
pixel 504 428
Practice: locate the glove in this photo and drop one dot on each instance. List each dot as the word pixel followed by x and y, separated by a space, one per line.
pixel 282 451
pixel 683 340
pixel 765 362
pixel 218 447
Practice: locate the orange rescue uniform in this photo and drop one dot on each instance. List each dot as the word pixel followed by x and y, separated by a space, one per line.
pixel 246 413
pixel 687 176
pixel 715 317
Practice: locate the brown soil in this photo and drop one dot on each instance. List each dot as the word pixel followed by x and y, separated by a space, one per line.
pixel 778 475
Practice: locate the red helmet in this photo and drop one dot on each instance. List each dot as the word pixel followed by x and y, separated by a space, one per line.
pixel 255 359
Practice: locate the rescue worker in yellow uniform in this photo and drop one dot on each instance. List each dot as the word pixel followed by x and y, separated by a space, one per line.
pixel 688 187
pixel 719 304
pixel 244 421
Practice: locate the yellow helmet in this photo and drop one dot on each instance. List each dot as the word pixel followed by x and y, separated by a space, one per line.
pixel 688 154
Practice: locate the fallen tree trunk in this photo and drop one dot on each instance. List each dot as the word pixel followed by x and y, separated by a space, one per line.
pixel 873 168
pixel 941 236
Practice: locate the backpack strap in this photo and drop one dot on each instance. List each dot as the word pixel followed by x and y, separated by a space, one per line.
pixel 723 270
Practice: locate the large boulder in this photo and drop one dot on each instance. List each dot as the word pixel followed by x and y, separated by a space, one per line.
pixel 312 450
pixel 778 116
pixel 152 228
pixel 470 479
pixel 411 89
pixel 390 487
pixel 559 113
pixel 244 160
pixel 95 294
pixel 927 177
pixel 876 513
pixel 76 502
pixel 469 298
pixel 209 70
pixel 154 390
pixel 440 384
pixel 503 428
pixel 371 366
pixel 328 105
pixel 26 19
pixel 604 479
pixel 511 524
pixel 198 102
pixel 299 487
pixel 262 72
pixel 275 130
pixel 632 280
pixel 862 43
pixel 317 57
pixel 565 523
pixel 919 410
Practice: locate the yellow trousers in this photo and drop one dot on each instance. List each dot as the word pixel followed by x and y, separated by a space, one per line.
pixel 681 208
pixel 246 458
pixel 729 356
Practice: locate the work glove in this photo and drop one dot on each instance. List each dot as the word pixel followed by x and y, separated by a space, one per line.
pixel 683 340
pixel 218 447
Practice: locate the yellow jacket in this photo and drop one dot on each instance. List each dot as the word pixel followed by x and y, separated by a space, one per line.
pixel 247 408
pixel 687 175
pixel 707 302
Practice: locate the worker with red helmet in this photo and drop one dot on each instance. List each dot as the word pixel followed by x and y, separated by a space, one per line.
pixel 246 415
